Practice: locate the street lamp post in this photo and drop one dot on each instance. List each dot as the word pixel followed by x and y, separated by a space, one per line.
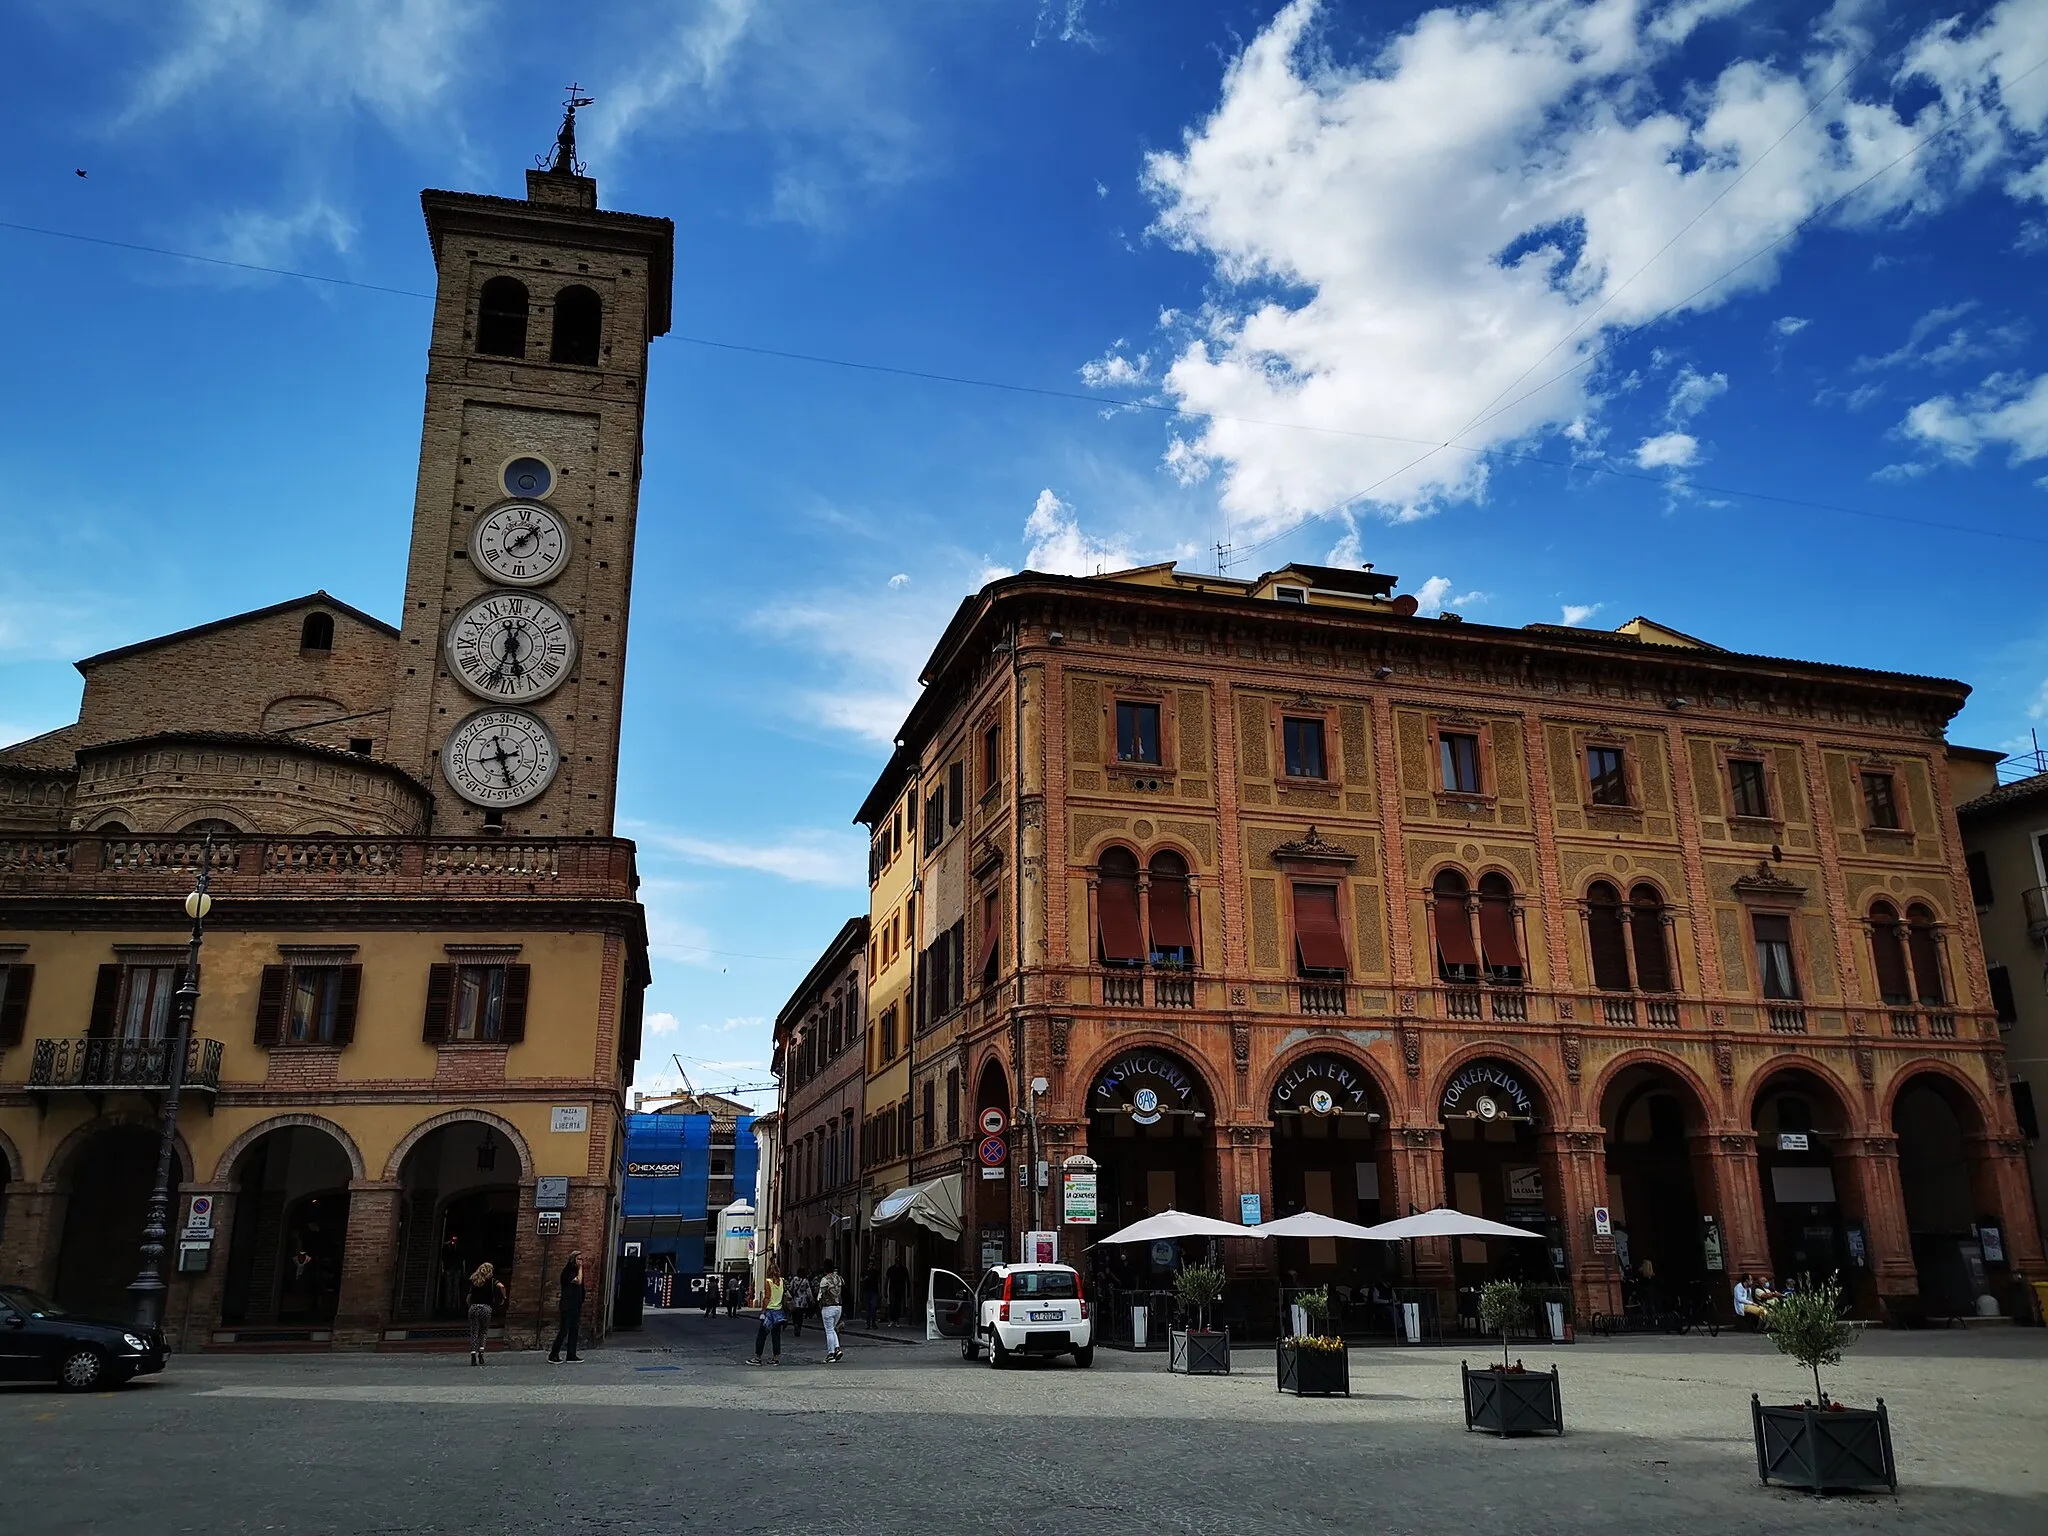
pixel 147 1290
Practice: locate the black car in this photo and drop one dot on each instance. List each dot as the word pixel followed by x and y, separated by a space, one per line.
pixel 40 1341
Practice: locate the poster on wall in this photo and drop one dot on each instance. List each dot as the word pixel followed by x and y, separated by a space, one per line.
pixel 1077 1199
pixel 1041 1247
pixel 1525 1186
pixel 993 1246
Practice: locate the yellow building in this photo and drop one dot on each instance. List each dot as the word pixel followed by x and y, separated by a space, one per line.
pixel 419 1002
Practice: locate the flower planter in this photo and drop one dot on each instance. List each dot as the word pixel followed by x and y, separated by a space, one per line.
pixel 1314 1372
pixel 1198 1352
pixel 1822 1448
pixel 1506 1402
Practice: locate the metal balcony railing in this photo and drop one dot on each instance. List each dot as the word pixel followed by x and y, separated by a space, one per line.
pixel 96 1065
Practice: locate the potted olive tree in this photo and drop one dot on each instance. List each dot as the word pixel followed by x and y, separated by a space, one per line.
pixel 1821 1444
pixel 1315 1364
pixel 1510 1399
pixel 1198 1350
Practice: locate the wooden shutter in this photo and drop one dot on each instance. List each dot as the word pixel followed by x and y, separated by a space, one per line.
pixel 1646 927
pixel 270 1003
pixel 512 1022
pixel 345 1004
pixel 1888 955
pixel 1497 926
pixel 1170 926
pixel 1605 940
pixel 440 1001
pixel 1926 957
pixel 1116 921
pixel 14 1003
pixel 1318 936
pixel 991 935
pixel 106 1003
pixel 1454 930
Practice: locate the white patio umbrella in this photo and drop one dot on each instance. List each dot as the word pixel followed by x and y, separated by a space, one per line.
pixel 1172 1223
pixel 1445 1222
pixel 1312 1224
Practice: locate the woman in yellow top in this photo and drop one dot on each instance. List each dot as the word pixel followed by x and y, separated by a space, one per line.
pixel 772 1317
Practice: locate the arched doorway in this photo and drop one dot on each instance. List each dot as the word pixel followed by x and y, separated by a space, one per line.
pixel 1799 1118
pixel 1652 1118
pixel 1495 1166
pixel 992 1196
pixel 1330 1155
pixel 1939 1172
pixel 291 1225
pixel 109 1179
pixel 458 1206
pixel 1152 1133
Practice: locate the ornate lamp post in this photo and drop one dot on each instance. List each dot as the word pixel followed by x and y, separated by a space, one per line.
pixel 147 1290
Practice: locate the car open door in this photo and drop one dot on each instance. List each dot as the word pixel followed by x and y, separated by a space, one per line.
pixel 948 1306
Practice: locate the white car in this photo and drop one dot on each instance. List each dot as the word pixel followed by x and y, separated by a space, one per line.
pixel 1018 1309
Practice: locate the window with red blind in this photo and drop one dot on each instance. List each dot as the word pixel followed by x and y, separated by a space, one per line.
pixel 1119 932
pixel 1888 955
pixel 1925 949
pixel 1318 935
pixel 990 958
pixel 1646 926
pixel 1457 957
pixel 1606 938
pixel 1497 936
pixel 1173 930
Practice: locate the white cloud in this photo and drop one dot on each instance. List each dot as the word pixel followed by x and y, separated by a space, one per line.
pixel 1063 21
pixel 1425 240
pixel 1060 548
pixel 1790 325
pixel 2007 410
pixel 899 581
pixel 1113 370
pixel 1578 613
pixel 263 239
pixel 1668 450
pixel 1935 341
pixel 1692 392
pixel 660 1024
pixel 835 858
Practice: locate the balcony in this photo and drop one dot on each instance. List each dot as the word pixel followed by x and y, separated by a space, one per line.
pixel 1618 1012
pixel 1510 1005
pixel 2036 903
pixel 580 868
pixel 1325 998
pixel 1911 1023
pixel 1463 1004
pixel 1125 990
pixel 1173 991
pixel 96 1066
pixel 1660 1012
pixel 1786 1018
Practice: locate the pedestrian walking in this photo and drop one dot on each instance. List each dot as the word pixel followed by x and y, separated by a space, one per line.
pixel 570 1328
pixel 899 1293
pixel 830 1291
pixel 772 1317
pixel 712 1289
pixel 735 1293
pixel 870 1295
pixel 485 1297
pixel 799 1301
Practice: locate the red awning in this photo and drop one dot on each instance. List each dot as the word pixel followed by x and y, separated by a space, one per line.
pixel 991 931
pixel 1318 938
pixel 1497 932
pixel 1454 930
pixel 1116 914
pixel 1171 928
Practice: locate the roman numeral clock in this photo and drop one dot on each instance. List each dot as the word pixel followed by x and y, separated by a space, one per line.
pixel 510 647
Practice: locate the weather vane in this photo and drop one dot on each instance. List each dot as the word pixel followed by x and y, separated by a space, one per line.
pixel 565 162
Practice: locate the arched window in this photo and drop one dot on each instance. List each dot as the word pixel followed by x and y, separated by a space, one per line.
pixel 1925 948
pixel 317 633
pixel 1606 937
pixel 210 824
pixel 1888 955
pixel 501 318
pixel 1120 933
pixel 1173 929
pixel 1457 957
pixel 579 323
pixel 1497 930
pixel 1646 928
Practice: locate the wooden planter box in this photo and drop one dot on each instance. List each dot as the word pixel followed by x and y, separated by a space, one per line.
pixel 1314 1372
pixel 1512 1402
pixel 1199 1353
pixel 1822 1448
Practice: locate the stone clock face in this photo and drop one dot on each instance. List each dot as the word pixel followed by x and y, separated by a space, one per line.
pixel 512 646
pixel 500 757
pixel 520 543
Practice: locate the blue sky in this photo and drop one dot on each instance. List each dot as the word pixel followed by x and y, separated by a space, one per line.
pixel 1643 267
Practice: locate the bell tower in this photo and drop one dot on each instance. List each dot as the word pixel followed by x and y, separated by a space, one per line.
pixel 513 643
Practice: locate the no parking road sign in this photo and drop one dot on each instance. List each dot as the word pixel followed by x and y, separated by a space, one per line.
pixel 993 1152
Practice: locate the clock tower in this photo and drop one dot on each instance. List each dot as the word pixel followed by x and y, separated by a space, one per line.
pixel 512 651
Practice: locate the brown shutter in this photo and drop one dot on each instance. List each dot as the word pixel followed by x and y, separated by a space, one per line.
pixel 1170 926
pixel 1497 930
pixel 512 1022
pixel 106 1003
pixel 440 1000
pixel 1318 937
pixel 14 1003
pixel 1116 914
pixel 1888 955
pixel 1926 959
pixel 270 1004
pixel 991 933
pixel 1454 930
pixel 345 1004
pixel 1604 938
pixel 1646 927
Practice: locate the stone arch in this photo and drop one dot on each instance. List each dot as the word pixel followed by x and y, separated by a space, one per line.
pixel 183 816
pixel 11 1165
pixel 1647 1056
pixel 1788 1061
pixel 1465 1055
pixel 224 1170
pixel 118 817
pixel 1172 1045
pixel 395 1165
pixel 1116 837
pixel 56 1170
pixel 1922 1066
pixel 992 1061
pixel 1328 1045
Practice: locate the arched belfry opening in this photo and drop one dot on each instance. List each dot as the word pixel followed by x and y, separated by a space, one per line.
pixel 579 327
pixel 501 318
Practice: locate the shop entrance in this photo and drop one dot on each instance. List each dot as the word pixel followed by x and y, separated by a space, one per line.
pixel 1152 1133
pixel 1939 1174
pixel 1653 1191
pixel 1798 1120
pixel 1495 1166
pixel 1330 1155
pixel 458 1206
pixel 291 1224
pixel 110 1178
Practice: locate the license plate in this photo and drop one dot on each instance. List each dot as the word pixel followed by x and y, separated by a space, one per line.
pixel 1048 1317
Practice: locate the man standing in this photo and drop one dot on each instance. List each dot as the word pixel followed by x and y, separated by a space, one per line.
pixel 899 1292
pixel 570 1329
pixel 798 1300
pixel 831 1289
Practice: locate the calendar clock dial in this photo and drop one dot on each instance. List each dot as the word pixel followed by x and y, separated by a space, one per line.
pixel 520 543
pixel 500 757
pixel 511 646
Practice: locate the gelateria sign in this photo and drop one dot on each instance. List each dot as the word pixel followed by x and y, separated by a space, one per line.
pixel 1486 1090
pixel 1149 1084
pixel 1322 1085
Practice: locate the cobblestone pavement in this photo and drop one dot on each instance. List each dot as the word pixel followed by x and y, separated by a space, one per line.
pixel 667 1430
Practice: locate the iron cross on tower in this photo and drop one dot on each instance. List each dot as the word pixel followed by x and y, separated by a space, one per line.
pixel 565 162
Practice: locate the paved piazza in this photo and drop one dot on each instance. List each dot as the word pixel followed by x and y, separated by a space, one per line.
pixel 667 1430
